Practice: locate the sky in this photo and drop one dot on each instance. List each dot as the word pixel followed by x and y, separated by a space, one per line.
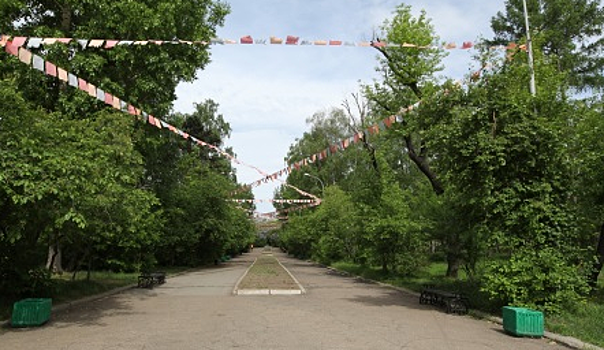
pixel 266 92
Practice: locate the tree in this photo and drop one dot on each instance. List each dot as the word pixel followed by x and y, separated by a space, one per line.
pixel 407 75
pixel 394 233
pixel 78 175
pixel 568 31
pixel 144 75
pixel 503 151
pixel 589 147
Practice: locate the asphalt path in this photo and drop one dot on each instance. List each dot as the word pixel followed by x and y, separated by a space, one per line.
pixel 198 311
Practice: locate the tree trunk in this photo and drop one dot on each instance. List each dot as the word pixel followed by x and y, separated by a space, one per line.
pixel 453 263
pixel 593 281
pixel 423 166
pixel 66 19
pixel 384 264
pixel 54 261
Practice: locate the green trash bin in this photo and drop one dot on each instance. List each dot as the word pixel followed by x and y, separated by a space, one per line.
pixel 522 322
pixel 31 312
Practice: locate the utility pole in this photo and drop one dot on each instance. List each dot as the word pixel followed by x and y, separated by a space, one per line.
pixel 317 178
pixel 529 47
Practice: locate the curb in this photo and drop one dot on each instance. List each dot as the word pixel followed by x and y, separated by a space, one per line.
pixel 268 292
pixel 236 288
pixel 567 341
pixel 237 291
pixel 302 290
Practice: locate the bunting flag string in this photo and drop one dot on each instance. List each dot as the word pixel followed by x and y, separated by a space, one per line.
pixel 49 68
pixel 285 201
pixel 335 147
pixel 290 40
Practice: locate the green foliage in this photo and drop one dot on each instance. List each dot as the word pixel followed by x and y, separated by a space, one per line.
pixel 568 31
pixel 336 223
pixel 103 189
pixel 395 236
pixel 539 279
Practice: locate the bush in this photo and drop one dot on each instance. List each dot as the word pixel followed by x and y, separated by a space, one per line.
pixel 541 279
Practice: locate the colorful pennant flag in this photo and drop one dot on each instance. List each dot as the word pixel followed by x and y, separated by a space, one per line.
pixel 34 42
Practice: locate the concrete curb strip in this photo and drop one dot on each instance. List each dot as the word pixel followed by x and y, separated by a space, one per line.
pixel 268 292
pixel 236 288
pixel 302 290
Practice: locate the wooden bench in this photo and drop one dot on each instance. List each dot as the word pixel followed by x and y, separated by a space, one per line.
pixel 150 279
pixel 452 302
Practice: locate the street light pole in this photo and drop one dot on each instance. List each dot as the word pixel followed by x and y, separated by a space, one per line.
pixel 529 47
pixel 318 179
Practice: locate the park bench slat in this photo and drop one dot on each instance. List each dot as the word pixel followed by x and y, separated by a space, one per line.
pixel 150 279
pixel 452 302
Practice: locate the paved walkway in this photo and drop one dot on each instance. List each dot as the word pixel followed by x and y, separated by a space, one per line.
pixel 198 311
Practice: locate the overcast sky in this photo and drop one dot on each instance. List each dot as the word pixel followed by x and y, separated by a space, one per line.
pixel 266 92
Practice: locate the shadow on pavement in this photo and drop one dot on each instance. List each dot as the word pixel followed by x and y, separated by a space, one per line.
pixel 83 315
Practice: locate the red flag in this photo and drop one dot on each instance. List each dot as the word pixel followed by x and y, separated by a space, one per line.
pixel 108 98
pixel 154 121
pixel 51 69
pixel 247 40
pixel 467 45
pixel 110 44
pixel 335 42
pixel 82 84
pixel 378 43
pixel 12 49
pixel 131 110
pixel 18 41
pixel 388 121
pixel 345 143
pixel 291 40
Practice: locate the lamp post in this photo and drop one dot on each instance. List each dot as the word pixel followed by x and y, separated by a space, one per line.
pixel 318 179
pixel 529 47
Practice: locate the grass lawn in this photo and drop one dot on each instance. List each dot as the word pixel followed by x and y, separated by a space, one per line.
pixel 267 273
pixel 584 323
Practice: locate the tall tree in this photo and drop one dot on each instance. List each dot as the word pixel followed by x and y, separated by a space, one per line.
pixel 505 154
pixel 408 75
pixel 76 166
pixel 568 31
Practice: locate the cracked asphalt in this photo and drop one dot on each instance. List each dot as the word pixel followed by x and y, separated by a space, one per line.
pixel 197 310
